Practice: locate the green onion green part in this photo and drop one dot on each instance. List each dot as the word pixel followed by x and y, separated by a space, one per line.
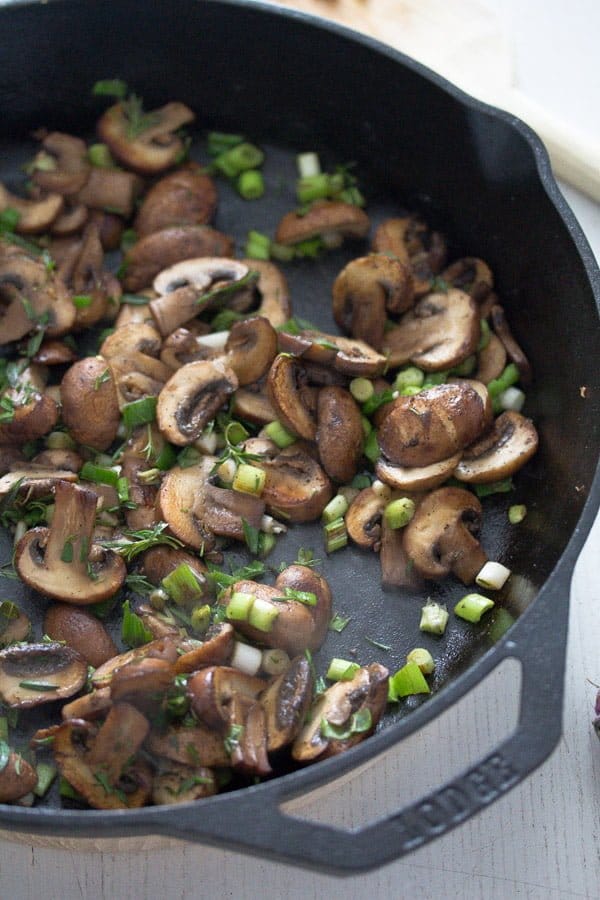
pixel 434 618
pixel 399 512
pixel 335 509
pixel 472 607
pixel 277 433
pixel 361 389
pixel 139 412
pixel 182 585
pixel 251 185
pixel 341 669
pixel 407 681
pixel 45 775
pixel 336 535
pixel 517 513
pixel 423 659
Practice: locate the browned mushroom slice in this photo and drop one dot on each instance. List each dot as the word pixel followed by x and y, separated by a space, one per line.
pixel 212 689
pixel 17 777
pixel 397 569
pixel 491 360
pixel 272 288
pixel 72 744
pixel 90 404
pixel 83 272
pixel 81 630
pixel 253 406
pixel 162 648
pixel 185 197
pixel 70 221
pixel 366 290
pixel 33 481
pixel 500 453
pixel 410 240
pixel 61 165
pixel 364 516
pixel 110 228
pixel 284 386
pixel 500 326
pixel 471 275
pixel 432 425
pixel 136 337
pixel 54 353
pixel 47 299
pixel 32 674
pixel 297 625
pixel 215 650
pixel 349 356
pixel 286 702
pixel 35 216
pixel 32 414
pixel 61 561
pixel 438 333
pixel 162 249
pixel 250 348
pixel 330 219
pixel 340 435
pixel 151 149
pixel 191 398
pixel 183 346
pixel 176 497
pixel 296 486
pixel 111 189
pixel 190 745
pixel 89 706
pixel 416 478
pixel 224 511
pixel 158 562
pixel 141 680
pixel 68 460
pixel 176 783
pixel 247 738
pixel 440 538
pixel 345 714
pixel 120 737
pixel 14 624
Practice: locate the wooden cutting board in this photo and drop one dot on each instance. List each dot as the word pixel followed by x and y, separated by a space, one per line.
pixel 464 41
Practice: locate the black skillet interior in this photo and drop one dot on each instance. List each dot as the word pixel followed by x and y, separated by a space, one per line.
pixel 292 87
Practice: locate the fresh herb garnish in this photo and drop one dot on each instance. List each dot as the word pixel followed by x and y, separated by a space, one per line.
pixel 233 738
pixel 135 542
pixel 338 623
pixel 360 721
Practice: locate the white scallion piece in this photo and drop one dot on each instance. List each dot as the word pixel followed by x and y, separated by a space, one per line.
pixel 272 526
pixel 217 339
pixel 207 442
pixel 308 164
pixel 492 576
pixel 512 399
pixel 274 661
pixel 246 658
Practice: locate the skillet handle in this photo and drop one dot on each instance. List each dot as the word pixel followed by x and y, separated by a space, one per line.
pixel 251 821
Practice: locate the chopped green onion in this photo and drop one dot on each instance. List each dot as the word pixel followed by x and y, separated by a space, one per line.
pixel 407 681
pixel 238 159
pixel 3 728
pixel 466 367
pixel 360 482
pixel 45 776
pixel 502 620
pixel 239 606
pixel 434 618
pixel 139 412
pixel 335 509
pixel 341 669
pixel 360 722
pixel 513 399
pixel 410 377
pixel 4 755
pixel 310 248
pixel 309 598
pixel 336 535
pixel 135 299
pixel 128 239
pixel 274 661
pixel 378 399
pixel 308 164
pixel 166 458
pixel 258 245
pixel 433 379
pixel 366 426
pixel 9 219
pixel 517 513
pixel 99 474
pixel 338 623
pixel 313 187
pixel 59 440
pixel 399 512
pixel 68 792
pixel 277 433
pixel 371 448
pixel 123 489
pixel 218 142
pixel 81 301
pixel 485 335
pixel 158 599
pixel 251 185
pixel 361 389
pixel 423 659
pixel 472 607
pixel 200 618
pixel 182 585
pixel 111 87
pixel 249 480
pixel 133 631
pixel 506 379
pixel 9 610
pixel 262 614
pixel 99 156
pixel 493 576
pixel 281 252
pixel 494 487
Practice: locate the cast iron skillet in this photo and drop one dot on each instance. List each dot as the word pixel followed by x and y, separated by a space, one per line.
pixel 483 178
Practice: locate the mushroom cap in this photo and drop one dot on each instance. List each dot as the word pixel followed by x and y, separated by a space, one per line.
pixel 410 240
pixel 272 287
pixel 346 355
pixel 323 217
pixel 162 648
pixel 439 539
pixel 340 435
pixel 20 276
pixel 59 670
pixel 110 189
pixel 162 249
pixel 471 275
pixel 432 425
pixel 186 196
pixel 187 745
pixel 416 478
pixel 438 333
pixel 501 452
pixel 80 630
pixel 364 517
pixel 513 350
pixel 17 778
pixel 296 486
pixel 176 497
pixel 156 148
pixel 250 348
pixel 178 783
pixel 286 702
pixel 212 689
pixel 191 398
pixel 90 404
pixel 35 216
pixel 284 390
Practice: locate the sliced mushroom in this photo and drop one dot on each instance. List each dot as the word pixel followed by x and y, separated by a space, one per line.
pixel 215 650
pixel 110 228
pixel 14 625
pixel 365 694
pixel 80 630
pixel 176 497
pixel 432 425
pixel 296 487
pixel 162 249
pixel 163 648
pixel 120 737
pixel 70 221
pixel 141 681
pixel 471 275
pixel 491 360
pixel 272 288
pixel 190 745
pixel 17 778
pixel 32 674
pixel 284 390
pixel 397 570
pixel 330 219
pixel 416 478
pixel 158 562
pixel 185 197
pixel 54 353
pixel 176 783
pixel 30 295
pixel 515 353
pixel 90 404
pixel 85 276
pixel 89 706
pixel 191 398
pixel 286 702
pixel 440 538
pixel 33 481
pixel 151 149
pixel 364 516
pixel 61 561
pixel 366 290
pixel 248 751
pixel 110 189
pixel 250 348
pixel 32 412
pixel 410 240
pixel 61 166
pixel 340 435
pixel 499 454
pixel 253 405
pixel 346 355
pixel 212 690
pixel 35 216
pixel 438 333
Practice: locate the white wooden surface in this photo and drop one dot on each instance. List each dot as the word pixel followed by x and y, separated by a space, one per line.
pixel 540 842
